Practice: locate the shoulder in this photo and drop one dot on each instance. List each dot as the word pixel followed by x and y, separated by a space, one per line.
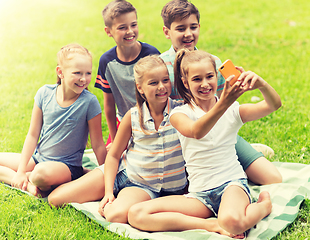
pixel 168 55
pixel 181 109
pixel 147 49
pixel 47 89
pixel 88 96
pixel 108 55
pixel 173 103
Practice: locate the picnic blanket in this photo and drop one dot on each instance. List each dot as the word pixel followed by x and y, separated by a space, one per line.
pixel 286 198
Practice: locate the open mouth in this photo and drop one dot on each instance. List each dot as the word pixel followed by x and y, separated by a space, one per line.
pixel 205 91
pixel 161 94
pixel 129 38
pixel 188 41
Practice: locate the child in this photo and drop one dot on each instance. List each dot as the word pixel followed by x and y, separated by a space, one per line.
pixel 115 73
pixel 181 26
pixel 115 78
pixel 207 128
pixel 62 116
pixel 153 159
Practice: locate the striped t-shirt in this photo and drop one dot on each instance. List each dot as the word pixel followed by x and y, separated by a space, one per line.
pixel 155 161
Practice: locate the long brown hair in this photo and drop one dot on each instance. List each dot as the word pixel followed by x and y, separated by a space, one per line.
pixel 142 66
pixel 182 61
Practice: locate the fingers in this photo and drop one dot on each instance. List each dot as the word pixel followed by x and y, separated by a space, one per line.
pixel 106 200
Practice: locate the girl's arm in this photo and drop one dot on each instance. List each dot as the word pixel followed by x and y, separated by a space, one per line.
pixel 113 158
pixel 20 179
pixel 95 132
pixel 271 102
pixel 110 114
pixel 199 128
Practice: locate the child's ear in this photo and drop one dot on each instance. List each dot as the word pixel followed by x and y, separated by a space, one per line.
pixel 59 72
pixel 139 88
pixel 166 32
pixel 108 31
pixel 185 83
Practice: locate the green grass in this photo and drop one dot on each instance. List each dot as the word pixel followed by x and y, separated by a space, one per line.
pixel 269 37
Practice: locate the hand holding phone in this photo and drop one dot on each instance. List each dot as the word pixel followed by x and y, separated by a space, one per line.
pixel 227 69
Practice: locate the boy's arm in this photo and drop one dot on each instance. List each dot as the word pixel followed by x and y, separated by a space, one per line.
pixel 110 113
pixel 95 132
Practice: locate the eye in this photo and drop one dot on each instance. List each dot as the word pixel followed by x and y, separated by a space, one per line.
pixel 152 83
pixel 166 80
pixel 196 79
pixel 134 25
pixel 194 27
pixel 180 29
pixel 210 76
pixel 88 73
pixel 121 28
pixel 77 73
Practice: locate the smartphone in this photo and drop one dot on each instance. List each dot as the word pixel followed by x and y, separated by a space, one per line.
pixel 227 69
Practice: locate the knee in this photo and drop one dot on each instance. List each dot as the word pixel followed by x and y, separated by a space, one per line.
pixel 55 199
pixel 137 216
pixel 115 214
pixel 38 175
pixel 231 223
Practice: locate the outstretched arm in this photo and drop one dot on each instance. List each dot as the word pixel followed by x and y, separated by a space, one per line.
pixel 20 180
pixel 271 102
pixel 198 129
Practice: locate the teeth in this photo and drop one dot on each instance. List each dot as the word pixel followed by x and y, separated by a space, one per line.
pixel 130 38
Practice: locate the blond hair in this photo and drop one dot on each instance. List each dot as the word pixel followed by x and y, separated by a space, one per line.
pixel 143 66
pixel 66 53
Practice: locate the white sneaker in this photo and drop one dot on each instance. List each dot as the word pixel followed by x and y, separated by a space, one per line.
pixel 267 151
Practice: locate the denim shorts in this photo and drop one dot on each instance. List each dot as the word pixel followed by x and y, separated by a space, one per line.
pixel 122 181
pixel 212 198
pixel 76 171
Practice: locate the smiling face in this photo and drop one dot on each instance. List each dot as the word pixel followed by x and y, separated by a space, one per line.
pixel 183 33
pixel 124 29
pixel 156 85
pixel 201 80
pixel 75 73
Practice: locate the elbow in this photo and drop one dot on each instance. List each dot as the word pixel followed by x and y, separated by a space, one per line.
pixel 277 105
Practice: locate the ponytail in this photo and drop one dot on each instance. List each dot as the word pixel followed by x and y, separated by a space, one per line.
pixel 179 73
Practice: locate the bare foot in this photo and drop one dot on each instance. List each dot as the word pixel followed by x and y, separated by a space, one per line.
pixel 213 226
pixel 34 190
pixel 264 198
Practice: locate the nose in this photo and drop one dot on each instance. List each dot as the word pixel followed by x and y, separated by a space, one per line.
pixel 160 85
pixel 187 32
pixel 83 78
pixel 129 30
pixel 204 83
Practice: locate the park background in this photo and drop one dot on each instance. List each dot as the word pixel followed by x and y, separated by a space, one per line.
pixel 271 38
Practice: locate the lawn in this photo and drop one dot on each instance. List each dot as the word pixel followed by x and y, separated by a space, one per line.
pixel 271 38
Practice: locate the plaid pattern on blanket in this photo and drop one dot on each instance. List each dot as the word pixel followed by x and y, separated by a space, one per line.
pixel 286 198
